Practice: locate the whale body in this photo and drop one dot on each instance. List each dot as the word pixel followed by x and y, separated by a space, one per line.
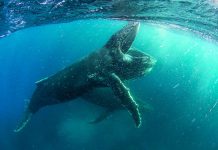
pixel 108 67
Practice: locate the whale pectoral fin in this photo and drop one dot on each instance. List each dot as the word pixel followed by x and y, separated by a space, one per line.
pixel 41 81
pixel 123 94
pixel 104 115
pixel 25 120
pixel 123 38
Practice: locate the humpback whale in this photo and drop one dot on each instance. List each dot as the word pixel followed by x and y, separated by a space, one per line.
pixel 105 98
pixel 108 67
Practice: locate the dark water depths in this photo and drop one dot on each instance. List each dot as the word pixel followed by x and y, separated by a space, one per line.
pixel 182 88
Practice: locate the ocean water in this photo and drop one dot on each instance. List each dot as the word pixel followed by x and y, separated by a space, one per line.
pixel 40 37
pixel 181 89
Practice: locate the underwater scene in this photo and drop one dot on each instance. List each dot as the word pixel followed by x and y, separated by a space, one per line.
pixel 109 75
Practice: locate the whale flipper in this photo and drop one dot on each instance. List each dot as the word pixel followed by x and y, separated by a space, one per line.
pixel 104 115
pixel 126 100
pixel 41 81
pixel 24 121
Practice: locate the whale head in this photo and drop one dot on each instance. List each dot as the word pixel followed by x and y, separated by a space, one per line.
pixel 127 62
pixel 135 64
pixel 123 39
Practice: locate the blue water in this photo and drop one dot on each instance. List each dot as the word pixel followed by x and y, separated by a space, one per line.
pixel 182 89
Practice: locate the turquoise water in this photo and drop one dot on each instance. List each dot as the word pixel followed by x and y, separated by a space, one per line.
pixel 182 89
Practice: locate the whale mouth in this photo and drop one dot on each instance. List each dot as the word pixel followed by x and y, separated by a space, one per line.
pixel 142 58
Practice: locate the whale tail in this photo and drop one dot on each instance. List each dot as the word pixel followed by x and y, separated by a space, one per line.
pixel 24 121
